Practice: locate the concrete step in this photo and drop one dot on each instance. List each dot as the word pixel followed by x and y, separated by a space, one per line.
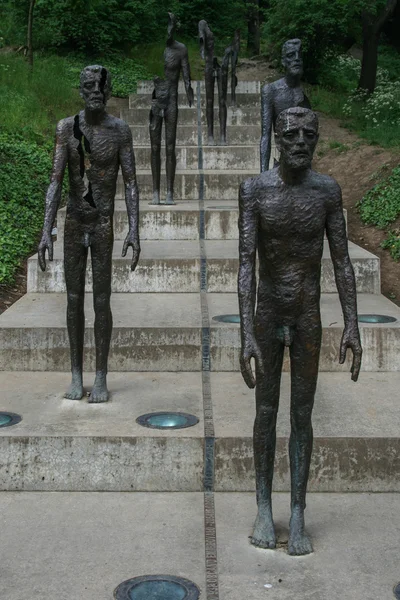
pixel 174 266
pixel 187 135
pixel 243 87
pixel 144 100
pixel 178 222
pixel 214 157
pixel 163 332
pixel 218 184
pixel 107 538
pixel 241 115
pixel 76 446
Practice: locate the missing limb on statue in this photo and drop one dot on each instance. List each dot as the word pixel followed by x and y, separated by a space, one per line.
pixel 164 109
pixel 93 145
pixel 283 216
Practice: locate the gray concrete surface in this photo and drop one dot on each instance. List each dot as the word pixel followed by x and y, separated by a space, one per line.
pixel 174 266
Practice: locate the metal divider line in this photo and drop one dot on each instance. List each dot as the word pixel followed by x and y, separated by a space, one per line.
pixel 210 534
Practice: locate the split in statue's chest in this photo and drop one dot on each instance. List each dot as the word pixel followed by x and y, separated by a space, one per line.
pixel 103 151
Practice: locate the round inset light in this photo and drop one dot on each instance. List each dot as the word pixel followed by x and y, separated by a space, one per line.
pixel 396 591
pixel 7 419
pixel 167 420
pixel 157 587
pixel 227 318
pixel 376 319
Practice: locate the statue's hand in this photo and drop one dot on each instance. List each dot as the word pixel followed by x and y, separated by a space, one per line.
pixel 132 239
pixel 190 95
pixel 351 339
pixel 250 350
pixel 46 243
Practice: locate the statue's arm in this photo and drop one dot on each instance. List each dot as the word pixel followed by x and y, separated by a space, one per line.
pixel 248 228
pixel 266 126
pixel 186 76
pixel 128 168
pixel 345 279
pixel 53 196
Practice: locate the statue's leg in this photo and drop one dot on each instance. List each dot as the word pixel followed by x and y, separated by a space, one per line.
pixel 75 259
pixel 101 253
pixel 304 358
pixel 267 402
pixel 210 84
pixel 171 122
pixel 155 130
pixel 222 99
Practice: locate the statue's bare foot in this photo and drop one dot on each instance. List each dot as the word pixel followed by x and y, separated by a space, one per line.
pixel 169 199
pixel 156 199
pixel 299 542
pixel 223 142
pixel 75 390
pixel 211 141
pixel 264 530
pixel 99 392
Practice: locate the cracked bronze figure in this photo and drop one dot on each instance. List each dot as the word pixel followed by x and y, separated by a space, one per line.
pixel 220 72
pixel 164 107
pixel 280 95
pixel 283 215
pixel 206 39
pixel 93 144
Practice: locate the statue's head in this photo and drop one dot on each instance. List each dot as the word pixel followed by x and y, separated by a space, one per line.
pixel 172 25
pixel 95 87
pixel 206 37
pixel 296 136
pixel 292 60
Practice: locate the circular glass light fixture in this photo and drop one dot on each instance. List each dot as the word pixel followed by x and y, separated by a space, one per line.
pixel 376 319
pixel 167 420
pixel 7 419
pixel 157 587
pixel 396 591
pixel 227 318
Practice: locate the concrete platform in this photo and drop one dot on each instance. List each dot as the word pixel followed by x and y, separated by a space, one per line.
pixel 243 87
pixel 76 446
pixel 104 539
pixel 162 332
pixel 178 222
pixel 214 157
pixel 218 184
pixel 144 100
pixel 239 115
pixel 174 266
pixel 187 135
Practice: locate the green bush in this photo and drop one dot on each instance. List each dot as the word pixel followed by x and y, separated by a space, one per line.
pixel 381 205
pixel 24 177
pixel 392 243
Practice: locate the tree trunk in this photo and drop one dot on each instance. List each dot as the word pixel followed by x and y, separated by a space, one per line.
pixel 253 27
pixel 29 36
pixel 372 27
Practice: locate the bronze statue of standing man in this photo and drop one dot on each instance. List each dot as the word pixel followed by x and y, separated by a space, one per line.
pixel 93 144
pixel 165 107
pixel 283 215
pixel 280 95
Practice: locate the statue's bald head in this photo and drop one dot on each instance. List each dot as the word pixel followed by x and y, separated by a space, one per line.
pixel 292 60
pixel 296 136
pixel 95 80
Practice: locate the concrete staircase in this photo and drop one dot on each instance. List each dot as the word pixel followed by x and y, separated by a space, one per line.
pixel 169 353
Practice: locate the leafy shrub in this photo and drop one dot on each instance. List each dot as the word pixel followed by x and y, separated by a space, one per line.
pixel 24 177
pixel 392 243
pixel 381 205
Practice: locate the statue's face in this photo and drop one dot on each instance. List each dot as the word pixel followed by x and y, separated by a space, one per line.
pixel 292 60
pixel 171 26
pixel 93 89
pixel 296 139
